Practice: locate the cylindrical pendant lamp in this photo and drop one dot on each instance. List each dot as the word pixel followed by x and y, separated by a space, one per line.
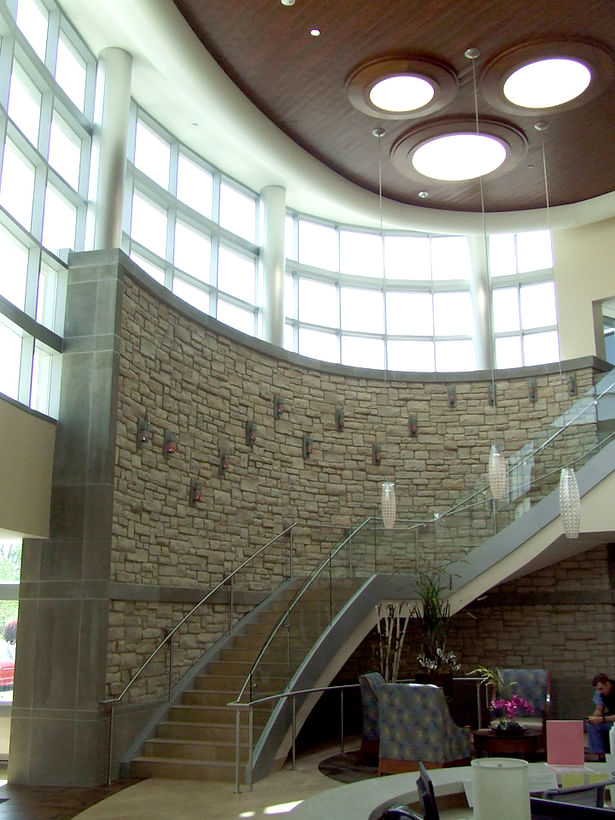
pixel 387 504
pixel 569 502
pixel 497 473
pixel 500 788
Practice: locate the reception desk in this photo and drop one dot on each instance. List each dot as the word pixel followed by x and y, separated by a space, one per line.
pixel 368 799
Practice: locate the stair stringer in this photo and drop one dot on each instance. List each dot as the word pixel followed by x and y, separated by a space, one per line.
pixel 536 540
pixel 332 649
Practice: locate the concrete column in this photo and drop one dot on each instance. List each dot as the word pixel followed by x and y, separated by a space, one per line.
pixel 59 730
pixel 481 303
pixel 273 198
pixel 115 65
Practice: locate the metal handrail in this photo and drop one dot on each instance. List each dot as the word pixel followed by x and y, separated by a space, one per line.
pixel 243 707
pixel 211 592
pixel 307 583
pixel 110 703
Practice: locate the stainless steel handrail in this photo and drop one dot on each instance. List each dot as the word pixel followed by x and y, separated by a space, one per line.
pixel 307 583
pixel 249 707
pixel 110 703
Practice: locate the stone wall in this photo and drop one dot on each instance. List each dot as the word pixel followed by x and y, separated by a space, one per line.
pixel 195 379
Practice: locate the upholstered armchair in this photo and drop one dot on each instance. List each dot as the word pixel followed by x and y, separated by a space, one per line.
pixel 535 686
pixel 370 684
pixel 415 724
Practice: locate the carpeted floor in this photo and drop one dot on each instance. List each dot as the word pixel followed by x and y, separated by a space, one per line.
pixel 346 768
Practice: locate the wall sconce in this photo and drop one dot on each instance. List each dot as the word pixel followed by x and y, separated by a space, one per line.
pixel 170 443
pixel 250 433
pixel 224 463
pixel 143 431
pixel 572 385
pixel 376 453
pixel 339 419
pixel 412 425
pixel 195 492
pixel 491 394
pixel 532 390
pixel 308 445
pixel 278 407
pixel 452 395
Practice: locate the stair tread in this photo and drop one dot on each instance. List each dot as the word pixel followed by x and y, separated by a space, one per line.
pixel 223 764
pixel 178 740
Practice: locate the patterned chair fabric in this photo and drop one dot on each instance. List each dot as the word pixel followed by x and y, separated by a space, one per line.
pixel 370 685
pixel 415 724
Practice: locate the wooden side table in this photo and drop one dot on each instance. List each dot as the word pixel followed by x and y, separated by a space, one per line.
pixel 491 744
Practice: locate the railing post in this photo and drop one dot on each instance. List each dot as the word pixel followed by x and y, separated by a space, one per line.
pixel 237 749
pixel 291 556
pixel 330 588
pixel 416 542
pixel 110 743
pixel 230 606
pixel 170 668
pixel 341 721
pixel 250 745
pixel 350 556
pixel 293 731
pixel 375 545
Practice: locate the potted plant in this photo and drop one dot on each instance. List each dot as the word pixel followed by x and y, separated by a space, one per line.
pixel 433 615
pixel 504 706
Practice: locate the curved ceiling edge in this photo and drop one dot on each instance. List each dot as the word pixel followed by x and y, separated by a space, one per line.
pixel 261 154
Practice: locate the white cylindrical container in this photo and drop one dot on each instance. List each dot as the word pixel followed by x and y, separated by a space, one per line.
pixel 500 788
pixel 612 738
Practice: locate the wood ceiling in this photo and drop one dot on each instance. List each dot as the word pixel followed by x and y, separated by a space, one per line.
pixel 299 82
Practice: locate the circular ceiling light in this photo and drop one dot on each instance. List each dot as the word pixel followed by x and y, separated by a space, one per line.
pixel 547 83
pixel 454 157
pixel 547 76
pixel 401 92
pixel 402 87
pixel 450 150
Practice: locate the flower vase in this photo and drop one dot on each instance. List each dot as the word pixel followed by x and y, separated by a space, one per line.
pixel 508 727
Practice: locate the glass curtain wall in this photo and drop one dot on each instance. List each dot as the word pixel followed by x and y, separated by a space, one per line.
pixel 47 84
pixel 404 302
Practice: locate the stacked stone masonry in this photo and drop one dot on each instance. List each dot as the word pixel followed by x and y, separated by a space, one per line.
pixel 203 386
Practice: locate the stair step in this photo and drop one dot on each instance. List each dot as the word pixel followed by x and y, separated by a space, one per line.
pixel 219 683
pixel 214 732
pixel 202 697
pixel 205 714
pixel 183 769
pixel 185 749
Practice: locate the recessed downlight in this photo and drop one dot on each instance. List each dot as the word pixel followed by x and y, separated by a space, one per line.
pixel 455 157
pixel 401 92
pixel 547 83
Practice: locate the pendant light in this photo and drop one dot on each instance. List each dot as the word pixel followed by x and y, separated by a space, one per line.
pixel 569 502
pixel 497 469
pixel 569 498
pixel 388 507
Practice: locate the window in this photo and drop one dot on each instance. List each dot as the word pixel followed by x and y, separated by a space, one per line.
pixel 237 212
pixel 65 150
pixel 33 20
pixel 152 155
pixel 71 71
pixel 361 253
pixel 318 245
pixel 197 236
pixel 17 185
pixel 25 104
pixel 59 221
pixel 14 256
pixel 11 338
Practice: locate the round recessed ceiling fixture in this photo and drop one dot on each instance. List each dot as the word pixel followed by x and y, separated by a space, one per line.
pixel 455 157
pixel 547 83
pixel 401 87
pixel 453 151
pixel 547 76
pixel 401 92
